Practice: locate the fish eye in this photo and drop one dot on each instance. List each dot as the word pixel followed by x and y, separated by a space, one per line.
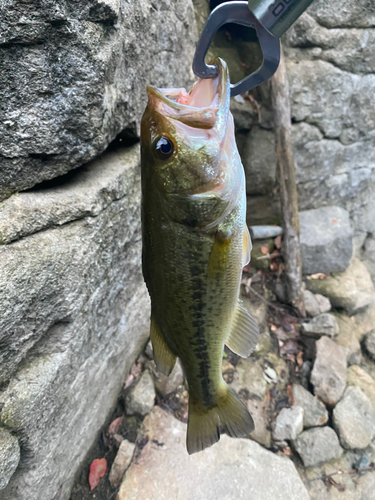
pixel 164 148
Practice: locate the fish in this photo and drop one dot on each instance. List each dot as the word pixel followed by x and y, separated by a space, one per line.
pixel 195 243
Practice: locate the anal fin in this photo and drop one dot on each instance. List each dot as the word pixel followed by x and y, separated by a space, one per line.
pixel 244 333
pixel 163 357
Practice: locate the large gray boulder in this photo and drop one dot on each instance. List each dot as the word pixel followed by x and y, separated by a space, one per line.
pixel 232 468
pixel 326 240
pixel 74 313
pixel 74 75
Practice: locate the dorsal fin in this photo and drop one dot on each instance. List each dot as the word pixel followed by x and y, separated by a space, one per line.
pixel 244 333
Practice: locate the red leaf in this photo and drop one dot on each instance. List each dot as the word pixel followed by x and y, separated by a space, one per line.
pixel 128 381
pixel 115 425
pixel 98 468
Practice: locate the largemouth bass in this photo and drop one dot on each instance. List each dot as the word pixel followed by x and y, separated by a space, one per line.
pixel 195 244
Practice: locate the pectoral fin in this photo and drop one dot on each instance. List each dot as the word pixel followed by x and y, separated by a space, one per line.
pixel 219 256
pixel 244 333
pixel 247 246
pixel 163 357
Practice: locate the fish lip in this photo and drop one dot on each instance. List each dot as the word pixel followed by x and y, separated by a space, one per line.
pixel 198 117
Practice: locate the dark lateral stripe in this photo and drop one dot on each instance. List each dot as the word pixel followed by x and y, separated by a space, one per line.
pixel 199 323
pixel 201 353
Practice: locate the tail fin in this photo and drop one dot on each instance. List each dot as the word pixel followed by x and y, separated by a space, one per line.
pixel 203 426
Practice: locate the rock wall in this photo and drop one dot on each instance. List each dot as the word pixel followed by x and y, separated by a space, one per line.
pixel 332 76
pixel 73 315
pixel 331 66
pixel 74 312
pixel 73 76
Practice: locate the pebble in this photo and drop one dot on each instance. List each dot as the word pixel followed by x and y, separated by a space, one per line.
pixel 166 385
pixel 288 424
pixel 354 419
pixel 315 303
pixel 141 397
pixel 324 324
pixel 265 232
pixel 329 372
pixel 121 463
pixel 314 411
pixel 318 445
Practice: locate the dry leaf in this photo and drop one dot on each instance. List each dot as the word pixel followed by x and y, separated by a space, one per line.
pixel 264 249
pixel 289 389
pixel 115 425
pixel 299 358
pixel 278 242
pixel 98 468
pixel 136 369
pixel 317 276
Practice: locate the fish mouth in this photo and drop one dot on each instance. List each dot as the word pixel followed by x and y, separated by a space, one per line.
pixel 198 108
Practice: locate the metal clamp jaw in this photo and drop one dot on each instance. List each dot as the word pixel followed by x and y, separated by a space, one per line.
pixel 270 18
pixel 238 13
pixel 278 15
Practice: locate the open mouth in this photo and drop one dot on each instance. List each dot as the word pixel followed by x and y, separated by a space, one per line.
pixel 197 108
